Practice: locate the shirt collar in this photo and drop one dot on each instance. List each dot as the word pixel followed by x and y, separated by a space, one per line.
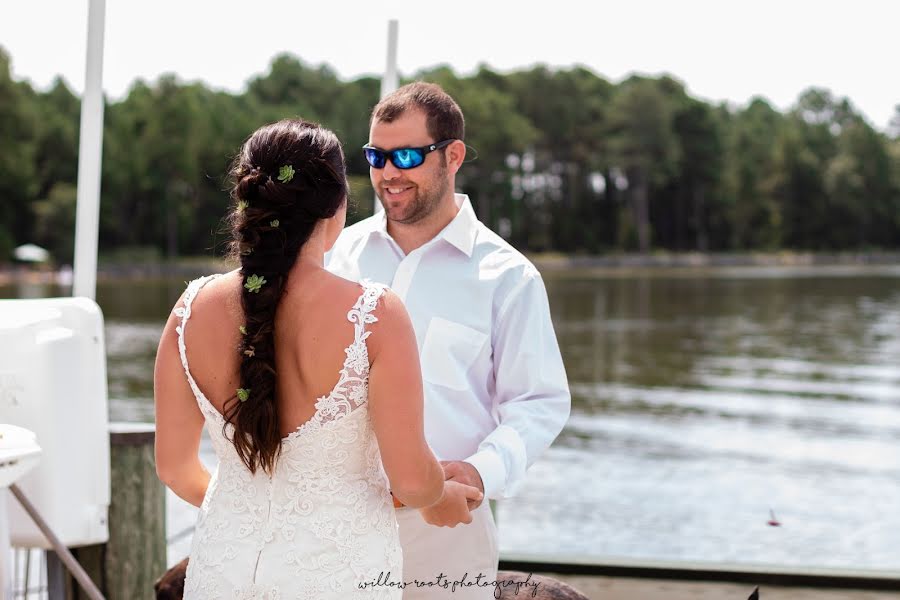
pixel 460 232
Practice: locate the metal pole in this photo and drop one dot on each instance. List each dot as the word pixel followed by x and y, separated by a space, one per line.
pixel 390 79
pixel 7 570
pixel 56 576
pixel 28 571
pixel 90 151
pixel 93 593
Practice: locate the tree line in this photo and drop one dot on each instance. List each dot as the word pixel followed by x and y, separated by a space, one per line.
pixel 560 160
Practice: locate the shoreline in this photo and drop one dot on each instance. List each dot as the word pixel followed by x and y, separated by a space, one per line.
pixel 551 263
pixel 701 260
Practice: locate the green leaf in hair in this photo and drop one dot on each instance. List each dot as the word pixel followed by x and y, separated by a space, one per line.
pixel 254 283
pixel 285 173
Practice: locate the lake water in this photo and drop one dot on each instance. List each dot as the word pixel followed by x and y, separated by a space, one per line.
pixel 701 401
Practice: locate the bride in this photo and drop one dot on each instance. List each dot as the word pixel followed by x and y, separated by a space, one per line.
pixel 309 386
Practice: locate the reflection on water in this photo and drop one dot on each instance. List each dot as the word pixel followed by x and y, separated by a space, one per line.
pixel 700 401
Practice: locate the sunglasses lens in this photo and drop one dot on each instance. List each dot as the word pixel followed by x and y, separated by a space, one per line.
pixel 407 158
pixel 375 158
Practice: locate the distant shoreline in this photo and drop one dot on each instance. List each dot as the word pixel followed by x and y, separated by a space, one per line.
pixel 716 261
pixel 551 263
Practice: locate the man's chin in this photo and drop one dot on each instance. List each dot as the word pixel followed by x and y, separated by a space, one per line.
pixel 398 214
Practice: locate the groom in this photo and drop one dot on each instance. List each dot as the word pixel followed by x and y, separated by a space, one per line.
pixel 496 393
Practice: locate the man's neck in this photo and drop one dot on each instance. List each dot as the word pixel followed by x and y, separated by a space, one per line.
pixel 414 235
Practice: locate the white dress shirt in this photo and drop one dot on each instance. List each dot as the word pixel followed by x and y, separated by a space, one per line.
pixel 496 393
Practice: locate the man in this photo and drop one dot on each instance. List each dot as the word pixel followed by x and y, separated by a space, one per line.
pixel 496 393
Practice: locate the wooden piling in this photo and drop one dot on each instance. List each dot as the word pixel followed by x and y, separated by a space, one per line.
pixel 126 567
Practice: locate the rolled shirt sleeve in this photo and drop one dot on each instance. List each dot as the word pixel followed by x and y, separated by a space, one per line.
pixel 531 403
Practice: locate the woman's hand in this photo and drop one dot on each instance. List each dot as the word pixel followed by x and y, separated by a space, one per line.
pixel 453 507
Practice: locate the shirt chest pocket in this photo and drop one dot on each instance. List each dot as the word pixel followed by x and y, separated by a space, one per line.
pixel 449 351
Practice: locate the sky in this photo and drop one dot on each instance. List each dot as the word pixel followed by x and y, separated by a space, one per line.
pixel 726 50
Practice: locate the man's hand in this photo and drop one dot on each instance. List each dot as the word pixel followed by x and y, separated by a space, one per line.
pixel 452 509
pixel 463 472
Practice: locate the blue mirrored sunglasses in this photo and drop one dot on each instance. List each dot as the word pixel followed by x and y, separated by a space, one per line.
pixel 402 158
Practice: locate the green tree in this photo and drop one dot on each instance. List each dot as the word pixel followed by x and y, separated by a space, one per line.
pixel 643 145
pixel 755 218
pixel 699 171
pixel 18 181
pixel 559 159
pixel 570 151
pixel 151 163
pixel 55 222
pixel 794 191
pixel 494 129
pixel 293 89
pixel 56 151
pixel 864 207
pixel 806 145
pixel 349 119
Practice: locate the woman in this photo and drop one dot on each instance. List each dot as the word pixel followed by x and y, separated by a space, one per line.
pixel 310 388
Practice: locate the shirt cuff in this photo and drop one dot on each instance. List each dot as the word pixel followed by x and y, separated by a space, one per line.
pixel 492 471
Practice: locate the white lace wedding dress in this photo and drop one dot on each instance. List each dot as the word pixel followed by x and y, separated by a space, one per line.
pixel 324 522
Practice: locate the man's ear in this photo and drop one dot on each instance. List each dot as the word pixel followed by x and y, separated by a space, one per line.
pixel 456 154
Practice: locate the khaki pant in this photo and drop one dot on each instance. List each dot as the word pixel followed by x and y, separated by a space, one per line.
pixel 459 554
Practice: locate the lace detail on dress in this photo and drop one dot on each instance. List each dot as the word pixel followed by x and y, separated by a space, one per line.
pixel 184 313
pixel 323 522
pixel 352 388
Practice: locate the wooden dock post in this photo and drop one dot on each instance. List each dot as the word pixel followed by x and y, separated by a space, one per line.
pixel 126 567
pixel 136 552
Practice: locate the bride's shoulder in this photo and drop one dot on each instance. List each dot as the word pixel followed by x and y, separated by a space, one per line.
pixel 386 315
pixel 210 292
pixel 217 283
pixel 366 295
pixel 349 290
pixel 212 281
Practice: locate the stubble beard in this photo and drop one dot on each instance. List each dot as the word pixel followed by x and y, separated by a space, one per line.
pixel 423 205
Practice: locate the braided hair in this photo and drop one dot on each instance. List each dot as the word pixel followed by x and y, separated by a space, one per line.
pixel 287 177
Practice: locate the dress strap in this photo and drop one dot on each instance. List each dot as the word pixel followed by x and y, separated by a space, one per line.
pixel 361 313
pixel 184 313
pixel 193 288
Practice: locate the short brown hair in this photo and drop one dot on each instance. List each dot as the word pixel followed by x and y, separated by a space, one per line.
pixel 443 117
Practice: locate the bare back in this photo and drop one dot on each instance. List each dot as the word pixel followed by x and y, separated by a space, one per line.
pixel 311 335
pixel 330 335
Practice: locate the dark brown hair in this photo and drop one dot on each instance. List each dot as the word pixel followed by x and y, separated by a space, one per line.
pixel 444 119
pixel 272 217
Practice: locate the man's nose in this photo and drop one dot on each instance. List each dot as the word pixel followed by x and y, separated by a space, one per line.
pixel 389 171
